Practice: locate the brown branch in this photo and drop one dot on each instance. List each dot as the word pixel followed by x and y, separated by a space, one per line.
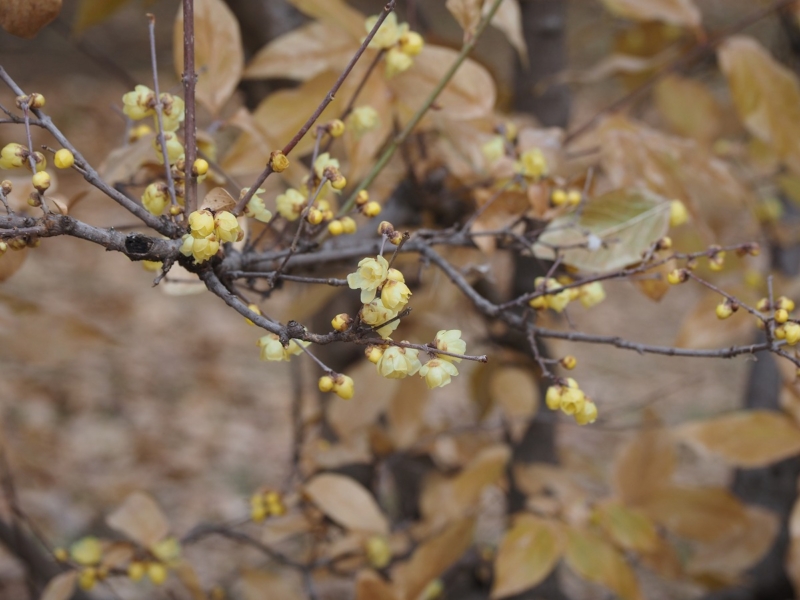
pixel 189 79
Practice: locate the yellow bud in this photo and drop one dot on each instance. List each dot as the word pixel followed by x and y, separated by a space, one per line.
pixel 136 570
pixel 717 263
pixel 344 387
pixel 762 305
pixel 665 243
pixel 87 578
pixel 574 197
pixel 371 209
pixel 41 181
pixel 325 383
pixel 374 354
pixel 64 159
pixel 61 554
pixel 553 397
pixel 200 167
pixel 558 197
pixel 339 183
pixel 385 228
pixel 781 315
pixel 152 265
pixel 341 322
pixel 258 513
pixel 138 132
pixel 539 303
pixel 785 303
pixel 792 333
pixel 279 161
pixel 36 100
pixel 314 216
pixel 569 362
pixel 6 187
pixel 175 210
pixel 362 197
pixel 254 308
pixel 677 276
pixel 780 332
pixel 678 215
pixel 724 310
pixel 378 552
pixel 336 128
pixel 349 225
pixel 157 573
pixel 335 227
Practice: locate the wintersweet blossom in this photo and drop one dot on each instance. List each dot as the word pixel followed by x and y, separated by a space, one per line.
pixel 138 104
pixel 290 204
pixel 397 362
pixel 450 341
pixel 394 294
pixel 200 248
pixel 201 223
pixel 437 373
pixel 374 313
pixel 227 227
pixel 370 275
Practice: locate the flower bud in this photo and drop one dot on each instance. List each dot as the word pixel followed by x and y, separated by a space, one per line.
pixel 558 197
pixel 279 161
pixel 335 227
pixel 569 362
pixel 574 197
pixel 64 159
pixel 325 383
pixel 200 167
pixel 678 215
pixel 336 128
pixel 341 322
pixel 41 181
pixel 349 225
pixel 371 209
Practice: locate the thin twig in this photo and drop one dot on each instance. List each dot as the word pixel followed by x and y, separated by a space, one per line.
pixel 189 79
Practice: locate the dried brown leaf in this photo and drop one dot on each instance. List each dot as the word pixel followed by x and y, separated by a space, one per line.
pixel 303 53
pixel 644 466
pixel 598 561
pixel 123 163
pixel 628 528
pixel 508 19
pixel 218 199
pixel 689 108
pixel 653 283
pixel 432 558
pixel 371 586
pixel 677 12
pixel 347 502
pixel 335 12
pixel 766 94
pixel 406 412
pixel 24 18
pixel 527 553
pixel 284 583
pixel 703 514
pixel 141 519
pixel 61 586
pixel 467 13
pixel 219 58
pixel 745 439
pixel 515 391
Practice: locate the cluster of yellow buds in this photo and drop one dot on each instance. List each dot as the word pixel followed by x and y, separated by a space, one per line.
pixel 532 164
pixel 571 400
pixel 341 385
pixel 787 329
pixel 266 504
pixel 155 197
pixel 206 231
pixel 342 225
pixel 400 44
pixel 397 362
pixel 368 208
pixel 362 120
pixel 273 350
pixel 561 197
pixel 141 102
pixel 589 294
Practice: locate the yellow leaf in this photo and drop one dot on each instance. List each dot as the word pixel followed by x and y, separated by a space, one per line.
pixel 745 439
pixel 738 550
pixel 432 558
pixel 528 552
pixel 766 94
pixel 140 518
pixel 676 12
pixel 689 107
pixel 515 391
pixel 615 229
pixel 703 514
pixel 219 58
pixel 644 466
pixel 335 12
pixel 371 586
pixel 347 502
pixel 447 499
pixel 93 12
pixel 467 13
pixel 596 560
pixel 629 528
pixel 303 53
pixel 469 95
pixel 61 586
pixel 24 18
pixel 508 19
pixel 702 329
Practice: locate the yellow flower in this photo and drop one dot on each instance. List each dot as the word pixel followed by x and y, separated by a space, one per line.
pixel 792 331
pixel 397 61
pixel 138 103
pixel 13 156
pixel 494 149
pixel 588 414
pixel 172 113
pixel 379 554
pixel 572 401
pixel 86 551
pixel 558 302
pixel 592 293
pixel 450 341
pixel 273 350
pixel 374 313
pixel 255 209
pixel 678 215
pixel 227 227
pixel 155 198
pixel 167 550
pixel 532 164
pixel 200 248
pixel 553 397
pixel 343 387
pixel 394 294
pixel 389 33
pixel 411 43
pixel 290 204
pixel 324 161
pixel 201 223
pixel 397 363
pixel 370 275
pixel 437 373
pixel 174 148
pixel 362 120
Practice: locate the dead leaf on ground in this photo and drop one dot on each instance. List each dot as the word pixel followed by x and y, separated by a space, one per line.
pixel 347 502
pixel 628 528
pixel 689 107
pixel 527 554
pixel 598 561
pixel 141 519
pixel 371 586
pixel 61 587
pixel 677 12
pixel 219 58
pixel 508 19
pixel 644 466
pixel 24 18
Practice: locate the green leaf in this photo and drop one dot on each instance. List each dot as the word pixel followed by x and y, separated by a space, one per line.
pixel 623 223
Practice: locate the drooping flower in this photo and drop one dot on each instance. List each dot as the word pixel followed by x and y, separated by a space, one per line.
pixel 371 273
pixel 437 373
pixel 450 341
pixel 397 362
